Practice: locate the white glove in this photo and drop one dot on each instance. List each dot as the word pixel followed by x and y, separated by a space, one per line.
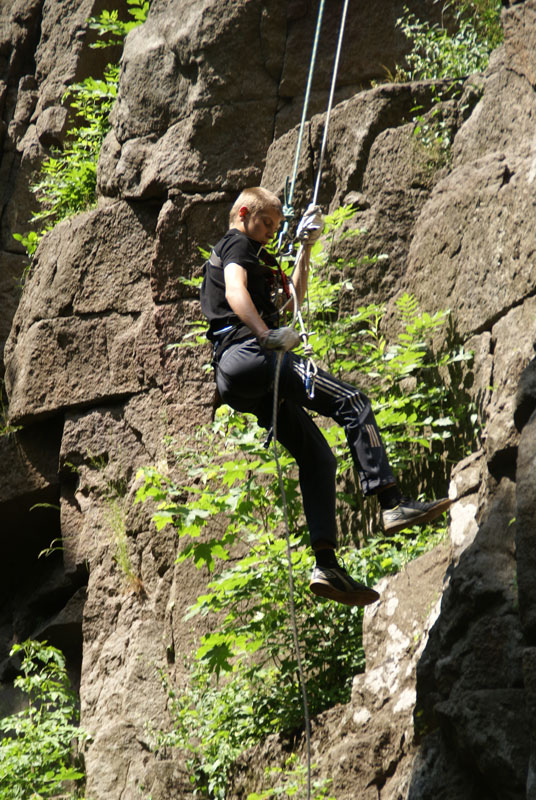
pixel 311 225
pixel 280 339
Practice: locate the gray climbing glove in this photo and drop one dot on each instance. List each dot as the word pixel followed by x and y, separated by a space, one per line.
pixel 311 225
pixel 280 339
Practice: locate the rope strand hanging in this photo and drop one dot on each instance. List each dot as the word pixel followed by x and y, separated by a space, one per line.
pixel 330 102
pixel 289 195
pixel 311 367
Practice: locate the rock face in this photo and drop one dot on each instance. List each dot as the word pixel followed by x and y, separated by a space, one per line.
pixel 446 705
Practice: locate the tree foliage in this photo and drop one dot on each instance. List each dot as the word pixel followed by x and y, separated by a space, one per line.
pixel 451 51
pixel 67 179
pixel 228 514
pixel 458 47
pixel 36 749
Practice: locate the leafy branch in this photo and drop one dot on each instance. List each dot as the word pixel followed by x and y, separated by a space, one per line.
pixel 36 756
pixel 453 50
pixel 244 680
pixel 68 177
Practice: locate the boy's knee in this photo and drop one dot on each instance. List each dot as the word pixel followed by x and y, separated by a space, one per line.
pixel 327 461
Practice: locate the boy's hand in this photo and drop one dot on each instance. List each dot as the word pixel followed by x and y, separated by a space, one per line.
pixel 311 225
pixel 281 339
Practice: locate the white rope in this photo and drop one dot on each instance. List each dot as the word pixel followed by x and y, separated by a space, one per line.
pixel 292 605
pixel 311 368
pixel 289 211
pixel 306 100
pixel 330 102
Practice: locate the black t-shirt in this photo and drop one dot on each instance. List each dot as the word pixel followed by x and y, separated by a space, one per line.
pixel 262 274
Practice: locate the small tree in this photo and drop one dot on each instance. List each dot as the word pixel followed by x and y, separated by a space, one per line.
pixel 36 751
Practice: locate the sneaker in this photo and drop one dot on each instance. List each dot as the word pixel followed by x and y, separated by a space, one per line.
pixel 335 583
pixel 412 512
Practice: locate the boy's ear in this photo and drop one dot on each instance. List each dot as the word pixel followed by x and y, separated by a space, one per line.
pixel 243 212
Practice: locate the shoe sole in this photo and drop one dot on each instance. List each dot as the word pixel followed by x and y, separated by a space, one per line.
pixel 358 597
pixel 427 516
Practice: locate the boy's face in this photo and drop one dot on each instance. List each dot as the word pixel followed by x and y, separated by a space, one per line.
pixel 260 226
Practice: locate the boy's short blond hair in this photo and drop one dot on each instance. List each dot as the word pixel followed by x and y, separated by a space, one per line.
pixel 256 199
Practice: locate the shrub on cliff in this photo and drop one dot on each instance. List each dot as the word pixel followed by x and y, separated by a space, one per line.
pixel 456 48
pixel 68 177
pixel 245 679
pixel 36 748
pixel 448 52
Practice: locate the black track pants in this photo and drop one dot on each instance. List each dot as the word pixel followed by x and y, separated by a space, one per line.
pixel 245 376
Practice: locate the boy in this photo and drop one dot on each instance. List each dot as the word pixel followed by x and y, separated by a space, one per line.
pixel 239 282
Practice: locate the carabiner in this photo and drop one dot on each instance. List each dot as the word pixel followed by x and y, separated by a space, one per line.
pixel 310 375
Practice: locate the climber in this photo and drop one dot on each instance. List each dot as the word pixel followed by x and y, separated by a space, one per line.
pixel 237 297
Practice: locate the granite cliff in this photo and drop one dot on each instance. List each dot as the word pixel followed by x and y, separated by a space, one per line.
pixel 446 706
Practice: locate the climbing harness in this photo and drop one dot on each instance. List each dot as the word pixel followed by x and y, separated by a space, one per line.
pixel 310 368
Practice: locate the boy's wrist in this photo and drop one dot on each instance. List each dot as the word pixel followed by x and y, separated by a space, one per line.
pixel 261 333
pixel 262 336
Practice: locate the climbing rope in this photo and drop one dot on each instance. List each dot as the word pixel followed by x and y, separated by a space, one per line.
pixel 292 605
pixel 330 101
pixel 288 210
pixel 310 369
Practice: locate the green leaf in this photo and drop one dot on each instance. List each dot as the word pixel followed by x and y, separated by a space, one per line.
pixel 231 494
pixel 216 656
